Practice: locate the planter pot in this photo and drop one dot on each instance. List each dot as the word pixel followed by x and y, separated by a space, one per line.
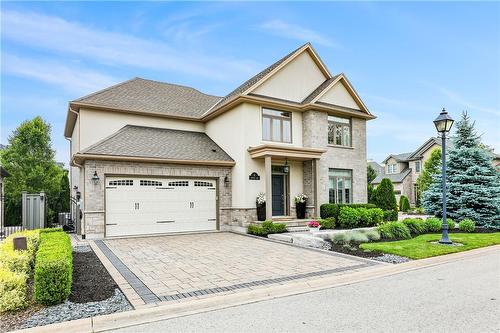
pixel 261 212
pixel 311 229
pixel 300 208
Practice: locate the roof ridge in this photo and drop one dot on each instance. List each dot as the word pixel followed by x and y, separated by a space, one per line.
pixel 105 89
pixel 178 85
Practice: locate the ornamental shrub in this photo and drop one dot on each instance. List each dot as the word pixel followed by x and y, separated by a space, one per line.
pixel 328 223
pixel 349 217
pixel 333 210
pixel 19 261
pixel 404 204
pixel 267 227
pixel 467 225
pixel 256 230
pixel 364 217
pixel 451 224
pixel 12 290
pixel 376 216
pixel 373 235
pixel 433 224
pixel 53 268
pixel 390 215
pixel 384 195
pixel 416 226
pixel 341 238
pixel 359 237
pixel 394 230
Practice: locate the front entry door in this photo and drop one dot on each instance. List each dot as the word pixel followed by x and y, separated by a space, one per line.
pixel 278 195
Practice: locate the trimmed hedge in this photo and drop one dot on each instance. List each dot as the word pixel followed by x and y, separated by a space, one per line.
pixel 12 290
pixel 267 227
pixel 359 217
pixel 394 230
pixel 433 224
pixel 19 261
pixel 333 210
pixel 53 268
pixel 390 215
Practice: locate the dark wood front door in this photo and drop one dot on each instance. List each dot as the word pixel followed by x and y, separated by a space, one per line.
pixel 278 195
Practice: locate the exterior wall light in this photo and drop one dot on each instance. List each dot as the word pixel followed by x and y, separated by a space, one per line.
pixel 95 178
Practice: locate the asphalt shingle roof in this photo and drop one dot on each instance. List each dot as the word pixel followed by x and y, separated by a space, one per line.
pixel 394 177
pixel 149 96
pixel 149 142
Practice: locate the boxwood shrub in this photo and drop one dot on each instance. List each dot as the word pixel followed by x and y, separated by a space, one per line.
pixel 328 223
pixel 267 227
pixel 53 268
pixel 467 225
pixel 19 261
pixel 394 230
pixel 12 290
pixel 333 210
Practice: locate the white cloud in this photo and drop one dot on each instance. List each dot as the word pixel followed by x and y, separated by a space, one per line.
pixel 71 78
pixel 297 32
pixel 68 37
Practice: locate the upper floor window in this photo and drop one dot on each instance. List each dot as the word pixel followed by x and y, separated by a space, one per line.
pixel 391 168
pixel 276 126
pixel 417 166
pixel 339 131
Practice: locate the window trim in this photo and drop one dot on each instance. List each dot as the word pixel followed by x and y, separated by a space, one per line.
pixel 419 166
pixel 343 186
pixel 342 135
pixel 271 117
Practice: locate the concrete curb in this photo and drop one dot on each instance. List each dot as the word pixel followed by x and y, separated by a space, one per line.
pixel 168 311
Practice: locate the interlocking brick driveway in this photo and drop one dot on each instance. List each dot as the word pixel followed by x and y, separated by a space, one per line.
pixel 183 266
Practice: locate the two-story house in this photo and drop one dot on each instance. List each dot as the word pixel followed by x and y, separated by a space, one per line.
pixel 150 157
pixel 403 169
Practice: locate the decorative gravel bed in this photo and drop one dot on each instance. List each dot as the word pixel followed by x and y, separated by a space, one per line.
pixel 391 258
pixel 70 311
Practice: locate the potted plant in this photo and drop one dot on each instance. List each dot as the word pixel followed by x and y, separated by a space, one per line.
pixel 300 205
pixel 261 206
pixel 314 226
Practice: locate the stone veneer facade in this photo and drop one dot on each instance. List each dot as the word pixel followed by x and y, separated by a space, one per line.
pixel 315 135
pixel 93 224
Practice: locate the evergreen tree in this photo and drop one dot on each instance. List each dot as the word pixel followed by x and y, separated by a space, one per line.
pixel 371 174
pixel 473 184
pixel 29 159
pixel 384 196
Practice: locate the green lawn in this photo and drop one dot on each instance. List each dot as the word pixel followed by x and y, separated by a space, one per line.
pixel 421 246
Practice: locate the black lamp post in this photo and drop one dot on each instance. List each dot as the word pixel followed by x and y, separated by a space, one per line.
pixel 443 125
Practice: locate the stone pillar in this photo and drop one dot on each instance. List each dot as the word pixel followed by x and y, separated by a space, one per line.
pixel 269 189
pixel 316 180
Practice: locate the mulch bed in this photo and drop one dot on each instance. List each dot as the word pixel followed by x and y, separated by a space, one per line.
pixel 88 273
pixel 354 250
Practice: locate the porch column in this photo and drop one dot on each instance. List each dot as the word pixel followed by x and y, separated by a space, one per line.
pixel 316 187
pixel 269 189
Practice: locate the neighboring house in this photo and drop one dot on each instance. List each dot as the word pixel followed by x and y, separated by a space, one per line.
pixel 3 173
pixel 403 169
pixel 379 168
pixel 151 157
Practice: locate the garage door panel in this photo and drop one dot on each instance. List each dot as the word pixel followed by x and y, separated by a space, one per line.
pixel 141 205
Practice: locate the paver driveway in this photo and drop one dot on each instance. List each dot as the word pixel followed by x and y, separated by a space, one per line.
pixel 168 268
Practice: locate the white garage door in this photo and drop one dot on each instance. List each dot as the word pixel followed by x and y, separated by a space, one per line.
pixel 140 206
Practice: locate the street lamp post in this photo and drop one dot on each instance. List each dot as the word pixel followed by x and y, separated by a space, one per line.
pixel 443 125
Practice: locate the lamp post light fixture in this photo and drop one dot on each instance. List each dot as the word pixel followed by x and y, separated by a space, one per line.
pixel 443 125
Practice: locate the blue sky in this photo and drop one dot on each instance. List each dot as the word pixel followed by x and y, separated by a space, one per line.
pixel 406 60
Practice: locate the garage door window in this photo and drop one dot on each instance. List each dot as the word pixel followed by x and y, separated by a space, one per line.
pixel 179 183
pixel 206 184
pixel 121 182
pixel 150 183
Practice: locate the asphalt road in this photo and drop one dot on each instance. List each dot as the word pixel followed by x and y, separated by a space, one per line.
pixel 462 296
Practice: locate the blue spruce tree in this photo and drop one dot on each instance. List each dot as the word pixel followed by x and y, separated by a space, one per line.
pixel 473 184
